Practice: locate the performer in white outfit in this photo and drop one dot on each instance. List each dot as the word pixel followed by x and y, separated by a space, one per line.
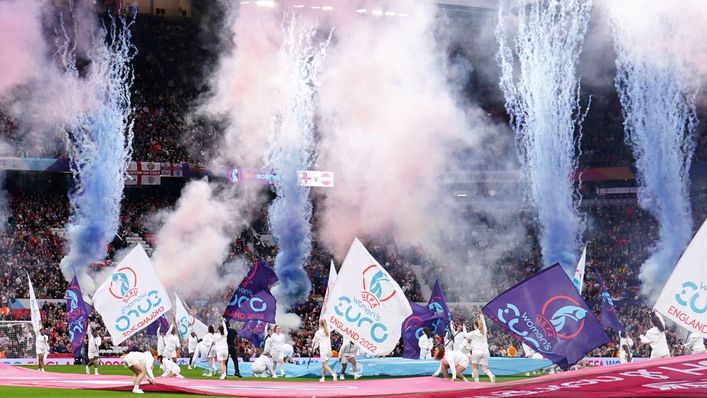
pixel 655 336
pixel 192 343
pixel 322 340
pixel 94 342
pixel 426 342
pixel 450 359
pixel 275 345
pixel 160 340
pixel 42 346
pixel 140 363
pixel 221 347
pixel 695 344
pixel 286 353
pixel 347 354
pixel 625 347
pixel 479 344
pixel 171 343
pixel 262 366
pixel 169 368
pixel 530 353
pixel 210 353
pixel 459 342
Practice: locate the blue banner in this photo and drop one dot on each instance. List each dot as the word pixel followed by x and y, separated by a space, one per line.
pixel 254 331
pixel 77 312
pixel 609 318
pixel 547 313
pixel 252 299
pixel 438 304
pixel 422 317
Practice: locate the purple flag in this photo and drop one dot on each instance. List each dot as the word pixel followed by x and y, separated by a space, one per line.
pixel 254 331
pixel 422 317
pixel 438 304
pixel 609 318
pixel 260 307
pixel 252 299
pixel 77 312
pixel 547 313
pixel 160 323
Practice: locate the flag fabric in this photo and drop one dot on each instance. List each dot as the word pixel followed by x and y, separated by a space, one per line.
pixel 254 331
pixel 77 312
pixel 422 317
pixel 609 318
pixel 684 296
pixel 578 279
pixel 35 315
pixel 547 313
pixel 132 297
pixel 252 299
pixel 329 286
pixel 161 324
pixel 438 304
pixel 186 322
pixel 366 304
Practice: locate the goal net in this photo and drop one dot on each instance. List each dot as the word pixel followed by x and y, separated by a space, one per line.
pixel 16 339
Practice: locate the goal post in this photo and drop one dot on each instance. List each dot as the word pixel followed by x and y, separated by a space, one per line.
pixel 16 339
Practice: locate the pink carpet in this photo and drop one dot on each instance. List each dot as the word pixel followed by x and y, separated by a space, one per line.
pixel 682 376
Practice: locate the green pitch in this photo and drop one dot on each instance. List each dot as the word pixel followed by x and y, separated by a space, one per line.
pixel 12 392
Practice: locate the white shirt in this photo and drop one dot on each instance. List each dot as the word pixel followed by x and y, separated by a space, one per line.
pixel 322 341
pixel 208 339
pixel 276 342
pixel 143 358
pixel 348 348
pixel 453 359
pixel 168 365
pixel 93 344
pixel 220 341
pixel 623 354
pixel 425 343
pixel 459 340
pixel 658 343
pixel 192 342
pixel 171 342
pixel 42 343
pixel 264 360
pixel 530 353
pixel 287 351
pixel 695 344
pixel 478 341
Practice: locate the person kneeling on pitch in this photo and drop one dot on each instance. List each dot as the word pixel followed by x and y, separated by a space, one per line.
pixel 262 366
pixel 347 353
pixel 169 368
pixel 140 363
pixel 451 359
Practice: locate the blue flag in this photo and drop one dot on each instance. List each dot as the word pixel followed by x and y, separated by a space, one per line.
pixel 254 331
pixel 438 304
pixel 160 323
pixel 609 318
pixel 422 317
pixel 547 313
pixel 77 312
pixel 252 299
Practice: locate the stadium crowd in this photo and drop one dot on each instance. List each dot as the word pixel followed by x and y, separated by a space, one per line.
pixel 168 70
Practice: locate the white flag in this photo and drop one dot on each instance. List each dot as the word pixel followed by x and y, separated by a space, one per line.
pixel 186 322
pixel 329 286
pixel 132 297
pixel 684 296
pixel 366 304
pixel 35 315
pixel 578 279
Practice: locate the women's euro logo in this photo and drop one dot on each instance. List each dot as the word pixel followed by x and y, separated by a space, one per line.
pixel 376 286
pixel 123 284
pixel 691 296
